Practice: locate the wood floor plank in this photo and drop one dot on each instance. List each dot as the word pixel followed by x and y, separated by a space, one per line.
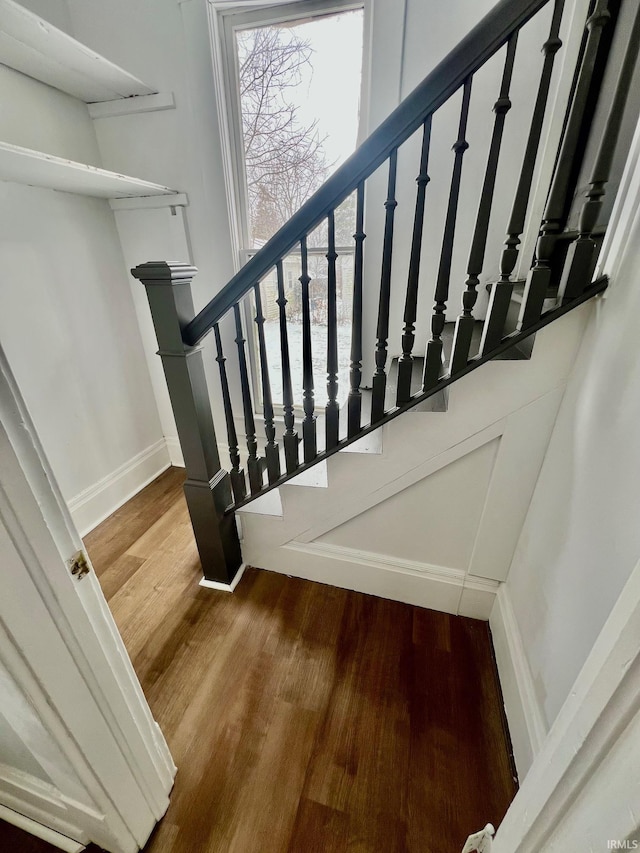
pixel 118 573
pixel 318 829
pixel 112 538
pixel 303 718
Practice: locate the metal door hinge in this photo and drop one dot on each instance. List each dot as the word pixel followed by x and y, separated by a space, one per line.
pixel 79 565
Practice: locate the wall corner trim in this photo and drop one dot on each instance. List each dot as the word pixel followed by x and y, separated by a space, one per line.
pixel 98 501
pixel 25 795
pixel 582 785
pixel 524 714
pixel 62 842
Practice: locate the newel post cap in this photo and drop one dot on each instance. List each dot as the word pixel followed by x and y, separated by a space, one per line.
pixel 164 271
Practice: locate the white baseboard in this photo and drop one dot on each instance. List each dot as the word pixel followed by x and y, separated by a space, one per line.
pixel 224 587
pixel 525 716
pixel 435 587
pixel 42 804
pixel 97 502
pixel 62 842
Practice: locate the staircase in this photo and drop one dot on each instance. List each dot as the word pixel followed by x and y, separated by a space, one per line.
pixel 560 278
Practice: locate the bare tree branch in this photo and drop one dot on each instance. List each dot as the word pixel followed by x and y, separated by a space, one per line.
pixel 284 159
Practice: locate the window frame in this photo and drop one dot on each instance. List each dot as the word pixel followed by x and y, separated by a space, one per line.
pixel 226 17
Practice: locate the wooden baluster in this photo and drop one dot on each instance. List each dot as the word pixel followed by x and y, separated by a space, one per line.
pixel 382 332
pixel 539 276
pixel 581 258
pixel 238 483
pixel 309 441
pixel 466 321
pixel 523 191
pixel 405 364
pixel 290 437
pixel 354 403
pixel 433 359
pixel 271 451
pixel 502 290
pixel 332 410
pixel 254 465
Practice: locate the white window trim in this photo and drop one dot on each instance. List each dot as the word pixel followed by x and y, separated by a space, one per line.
pixel 225 17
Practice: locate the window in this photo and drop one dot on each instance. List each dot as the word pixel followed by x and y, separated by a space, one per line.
pixel 293 79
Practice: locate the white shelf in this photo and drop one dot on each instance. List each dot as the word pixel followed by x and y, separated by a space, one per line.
pixel 38 49
pixel 25 166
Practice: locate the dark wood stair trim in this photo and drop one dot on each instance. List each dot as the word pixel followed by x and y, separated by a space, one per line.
pixel 510 341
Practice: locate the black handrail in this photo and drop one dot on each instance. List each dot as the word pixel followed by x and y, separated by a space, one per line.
pixel 488 36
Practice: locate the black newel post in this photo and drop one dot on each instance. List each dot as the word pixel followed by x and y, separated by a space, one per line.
pixel 207 488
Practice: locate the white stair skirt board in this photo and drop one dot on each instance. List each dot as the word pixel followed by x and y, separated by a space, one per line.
pixel 436 587
pixel 38 49
pixel 97 502
pixel 269 504
pixel 62 842
pixel 224 587
pixel 370 443
pixel 524 714
pixel 316 477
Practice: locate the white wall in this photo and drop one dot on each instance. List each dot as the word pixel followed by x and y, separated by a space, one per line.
pixel 54 11
pixel 167 45
pixel 67 322
pixel 581 538
pixel 434 520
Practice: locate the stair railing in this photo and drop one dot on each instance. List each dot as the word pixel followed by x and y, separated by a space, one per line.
pixel 211 492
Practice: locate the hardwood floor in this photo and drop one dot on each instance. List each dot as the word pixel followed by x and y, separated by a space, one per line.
pixel 302 717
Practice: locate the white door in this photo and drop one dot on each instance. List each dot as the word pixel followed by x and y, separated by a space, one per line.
pixel 80 753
